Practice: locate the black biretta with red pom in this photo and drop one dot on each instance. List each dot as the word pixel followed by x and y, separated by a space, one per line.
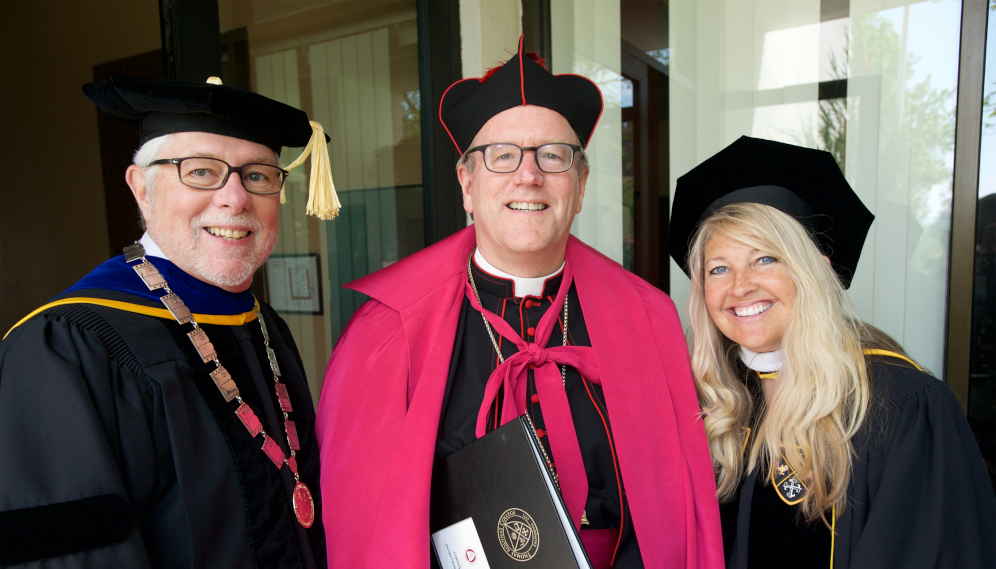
pixel 804 183
pixel 470 103
pixel 162 107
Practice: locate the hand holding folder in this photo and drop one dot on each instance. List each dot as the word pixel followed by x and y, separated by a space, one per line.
pixel 495 504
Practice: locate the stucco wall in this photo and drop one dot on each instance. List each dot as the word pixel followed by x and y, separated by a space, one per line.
pixel 489 33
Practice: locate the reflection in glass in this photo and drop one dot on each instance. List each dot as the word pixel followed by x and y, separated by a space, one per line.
pixel 627 195
pixel 584 39
pixel 625 214
pixel 902 82
pixel 628 122
pixel 644 88
pixel 353 67
pixel 874 87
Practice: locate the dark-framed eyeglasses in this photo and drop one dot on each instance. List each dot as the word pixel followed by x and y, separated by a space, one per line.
pixel 505 158
pixel 212 174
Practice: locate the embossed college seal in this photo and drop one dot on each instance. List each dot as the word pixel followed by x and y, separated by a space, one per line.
pixel 518 534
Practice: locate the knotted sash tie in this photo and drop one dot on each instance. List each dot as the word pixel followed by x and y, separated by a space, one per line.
pixel 513 374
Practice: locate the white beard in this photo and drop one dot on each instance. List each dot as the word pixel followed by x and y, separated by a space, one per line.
pixel 223 271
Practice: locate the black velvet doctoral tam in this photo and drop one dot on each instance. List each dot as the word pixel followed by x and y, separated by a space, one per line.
pixel 161 107
pixel 804 183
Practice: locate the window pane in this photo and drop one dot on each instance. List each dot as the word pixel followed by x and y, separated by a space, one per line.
pixel 585 40
pixel 623 47
pixel 354 69
pixel 874 87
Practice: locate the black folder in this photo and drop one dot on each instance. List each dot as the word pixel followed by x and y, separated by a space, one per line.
pixel 500 487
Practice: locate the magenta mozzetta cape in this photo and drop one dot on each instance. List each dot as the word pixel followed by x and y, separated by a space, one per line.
pixel 379 411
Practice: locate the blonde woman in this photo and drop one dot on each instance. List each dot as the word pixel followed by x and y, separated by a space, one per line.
pixel 831 447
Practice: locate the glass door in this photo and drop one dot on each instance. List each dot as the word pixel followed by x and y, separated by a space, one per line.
pixel 353 67
pixel 873 84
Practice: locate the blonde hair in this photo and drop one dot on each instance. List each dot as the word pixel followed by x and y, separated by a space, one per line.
pixel 822 392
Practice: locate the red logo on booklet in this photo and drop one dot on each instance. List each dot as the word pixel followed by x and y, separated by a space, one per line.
pixel 470 555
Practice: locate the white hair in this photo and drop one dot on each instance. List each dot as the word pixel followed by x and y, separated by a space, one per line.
pixel 149 153
pixel 143 158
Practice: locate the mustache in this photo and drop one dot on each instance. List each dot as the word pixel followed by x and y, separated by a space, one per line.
pixel 244 219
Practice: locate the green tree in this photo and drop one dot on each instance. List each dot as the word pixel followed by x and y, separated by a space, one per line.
pixel 989 103
pixel 916 119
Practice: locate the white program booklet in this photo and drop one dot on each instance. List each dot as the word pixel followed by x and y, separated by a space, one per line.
pixel 459 546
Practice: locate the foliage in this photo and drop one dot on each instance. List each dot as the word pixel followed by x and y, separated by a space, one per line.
pixel 832 129
pixel 411 114
pixel 916 120
pixel 664 55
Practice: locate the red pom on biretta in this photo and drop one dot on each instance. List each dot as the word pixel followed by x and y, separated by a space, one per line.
pixel 522 80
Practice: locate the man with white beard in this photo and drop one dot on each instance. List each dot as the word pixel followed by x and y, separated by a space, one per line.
pixel 155 414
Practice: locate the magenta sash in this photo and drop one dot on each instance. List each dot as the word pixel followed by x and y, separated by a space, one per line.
pixel 600 545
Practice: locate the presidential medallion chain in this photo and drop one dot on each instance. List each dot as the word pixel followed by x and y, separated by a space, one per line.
pixel 304 507
pixel 501 360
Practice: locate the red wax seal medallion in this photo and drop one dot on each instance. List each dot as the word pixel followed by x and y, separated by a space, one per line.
pixel 304 507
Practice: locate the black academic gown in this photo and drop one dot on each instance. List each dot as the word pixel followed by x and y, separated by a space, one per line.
pixel 919 495
pixel 119 451
pixel 473 361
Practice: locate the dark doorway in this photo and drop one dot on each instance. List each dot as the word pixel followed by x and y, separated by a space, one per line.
pixel 118 142
pixel 645 166
pixel 982 378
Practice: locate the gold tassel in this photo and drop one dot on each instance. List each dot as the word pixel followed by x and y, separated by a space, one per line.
pixel 323 202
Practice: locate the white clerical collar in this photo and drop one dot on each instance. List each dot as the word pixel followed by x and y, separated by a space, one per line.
pixel 763 362
pixel 522 286
pixel 151 248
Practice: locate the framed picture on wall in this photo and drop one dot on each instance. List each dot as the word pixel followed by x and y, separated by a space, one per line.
pixel 293 283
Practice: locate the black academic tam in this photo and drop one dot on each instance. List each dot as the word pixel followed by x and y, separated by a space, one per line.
pixel 161 107
pixel 804 183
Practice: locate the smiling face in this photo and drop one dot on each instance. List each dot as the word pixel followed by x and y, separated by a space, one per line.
pixel 218 236
pixel 523 219
pixel 749 293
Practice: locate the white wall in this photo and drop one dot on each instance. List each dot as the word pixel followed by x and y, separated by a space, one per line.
pixel 489 33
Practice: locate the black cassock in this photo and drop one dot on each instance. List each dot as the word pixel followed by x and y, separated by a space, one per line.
pixel 118 450
pixel 919 495
pixel 473 361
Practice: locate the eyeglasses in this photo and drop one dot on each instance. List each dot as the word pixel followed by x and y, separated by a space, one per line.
pixel 212 174
pixel 504 158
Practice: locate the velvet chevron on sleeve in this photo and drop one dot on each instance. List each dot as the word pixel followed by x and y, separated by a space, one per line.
pixel 919 495
pixel 118 450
